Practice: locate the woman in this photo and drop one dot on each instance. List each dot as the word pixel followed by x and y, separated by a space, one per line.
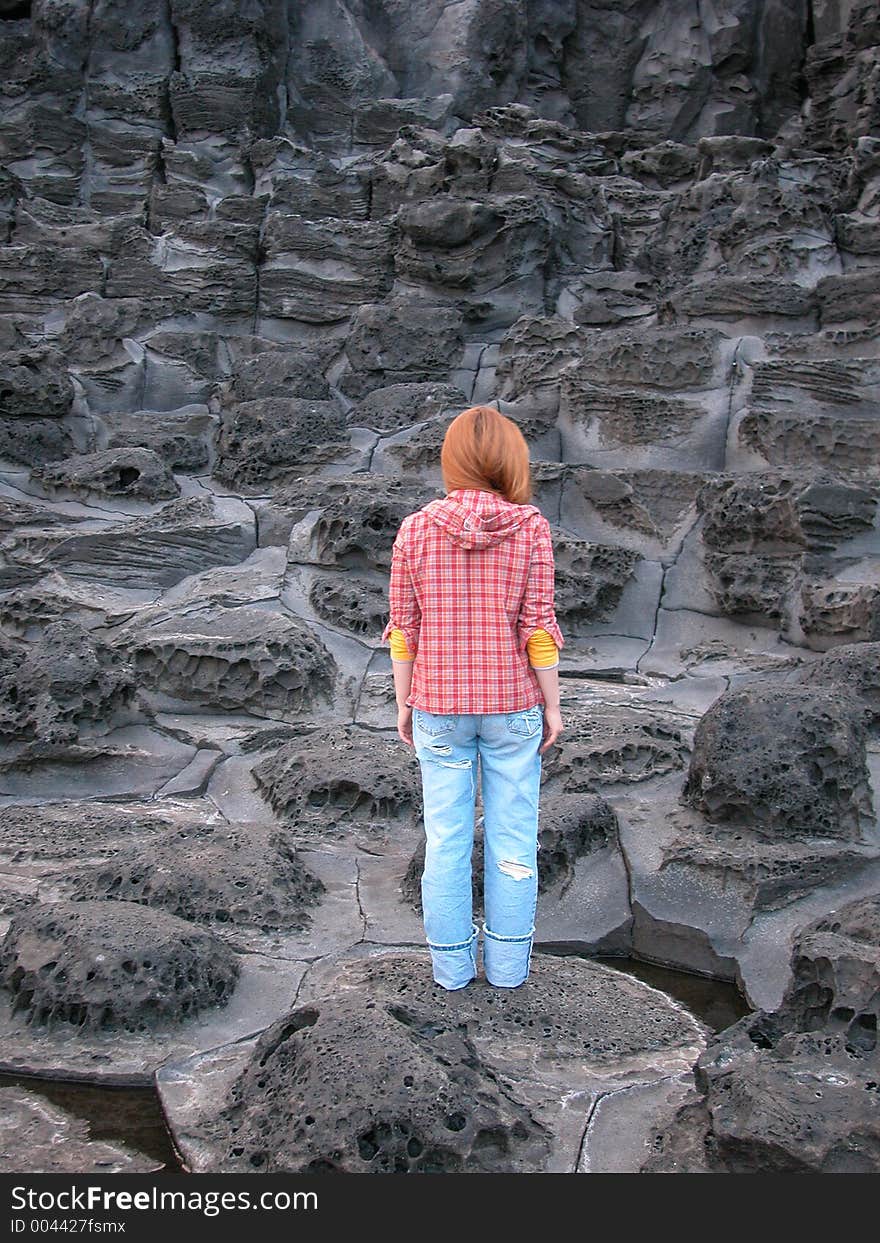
pixel 475 652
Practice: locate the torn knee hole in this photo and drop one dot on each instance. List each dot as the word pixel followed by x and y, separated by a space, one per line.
pixel 438 749
pixel 518 871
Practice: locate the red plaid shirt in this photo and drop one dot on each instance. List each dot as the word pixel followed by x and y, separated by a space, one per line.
pixel 468 612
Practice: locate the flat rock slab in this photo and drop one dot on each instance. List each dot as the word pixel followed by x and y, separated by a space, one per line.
pixel 266 988
pixel 705 914
pixel 378 1069
pixel 624 1123
pixel 131 761
pixel 37 1137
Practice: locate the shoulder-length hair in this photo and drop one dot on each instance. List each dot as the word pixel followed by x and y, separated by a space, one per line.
pixel 484 449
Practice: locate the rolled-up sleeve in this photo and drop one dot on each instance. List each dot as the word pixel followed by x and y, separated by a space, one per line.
pixel 538 611
pixel 405 614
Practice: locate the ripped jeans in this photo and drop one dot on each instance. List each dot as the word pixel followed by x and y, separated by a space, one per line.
pixel 447 747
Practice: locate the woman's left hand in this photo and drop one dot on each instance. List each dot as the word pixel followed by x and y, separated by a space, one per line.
pixel 404 724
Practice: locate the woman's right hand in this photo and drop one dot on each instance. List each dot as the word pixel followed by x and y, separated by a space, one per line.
pixel 553 727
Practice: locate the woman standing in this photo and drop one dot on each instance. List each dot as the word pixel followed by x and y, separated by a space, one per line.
pixel 475 652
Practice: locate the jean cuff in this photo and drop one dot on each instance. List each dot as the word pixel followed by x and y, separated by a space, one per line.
pixel 506 960
pixel 455 965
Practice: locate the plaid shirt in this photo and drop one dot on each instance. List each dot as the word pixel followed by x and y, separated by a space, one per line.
pixel 468 613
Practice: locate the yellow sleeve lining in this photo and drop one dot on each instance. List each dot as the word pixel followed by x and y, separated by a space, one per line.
pixel 399 649
pixel 542 650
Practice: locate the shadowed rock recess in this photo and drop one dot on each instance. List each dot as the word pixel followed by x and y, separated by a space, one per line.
pixel 253 259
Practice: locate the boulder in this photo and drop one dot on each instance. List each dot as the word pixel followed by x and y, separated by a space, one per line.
pixel 782 762
pixel 138 473
pixel 112 965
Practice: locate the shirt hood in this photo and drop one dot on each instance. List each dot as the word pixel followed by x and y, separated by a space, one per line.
pixel 474 518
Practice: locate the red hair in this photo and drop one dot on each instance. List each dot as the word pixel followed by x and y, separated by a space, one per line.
pixel 484 449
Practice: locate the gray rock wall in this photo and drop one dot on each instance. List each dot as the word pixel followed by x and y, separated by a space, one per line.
pixel 252 260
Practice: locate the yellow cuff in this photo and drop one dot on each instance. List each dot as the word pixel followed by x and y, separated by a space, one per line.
pixel 399 649
pixel 542 650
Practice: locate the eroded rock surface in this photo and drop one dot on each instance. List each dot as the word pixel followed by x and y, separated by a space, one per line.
pixel 780 761
pixel 378 1070
pixel 111 965
pixel 348 783
pixel 795 1090
pixel 249 270
pixel 232 658
pixel 247 877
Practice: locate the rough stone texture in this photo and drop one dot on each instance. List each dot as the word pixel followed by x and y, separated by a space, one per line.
pixel 350 601
pixel 782 761
pixel 795 1090
pixel 855 668
pixel 34 383
pixel 116 965
pixel 260 257
pixel 52 686
pixel 835 979
pixel 131 472
pixel 65 834
pixel 270 438
pixel 771 542
pixel 347 522
pixel 805 1106
pixel 157 550
pixel 350 782
pixel 33 442
pixel 231 658
pixel 400 405
pixel 379 1071
pixel 247 876
pixel 589 578
pixel 604 744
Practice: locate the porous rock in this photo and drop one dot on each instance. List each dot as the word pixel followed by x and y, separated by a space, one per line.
pixel 782 761
pixel 348 521
pixel 854 667
pixel 70 833
pixel 34 384
pixel 248 876
pixel 272 437
pixel 400 405
pixel 66 677
pixel 231 658
pixel 125 472
pixel 333 785
pixel 794 1090
pixel 589 577
pixel 33 442
pixel 351 601
pixel 112 965
pixel 606 744
pixel 381 1071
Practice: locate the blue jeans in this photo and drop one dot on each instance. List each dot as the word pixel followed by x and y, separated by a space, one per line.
pixel 447 747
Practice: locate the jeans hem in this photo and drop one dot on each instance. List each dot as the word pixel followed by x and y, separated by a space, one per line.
pixel 459 945
pixel 507 960
pixel 454 966
pixel 513 940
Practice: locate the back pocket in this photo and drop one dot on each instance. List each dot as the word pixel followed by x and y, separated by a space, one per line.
pixel 433 723
pixel 527 722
